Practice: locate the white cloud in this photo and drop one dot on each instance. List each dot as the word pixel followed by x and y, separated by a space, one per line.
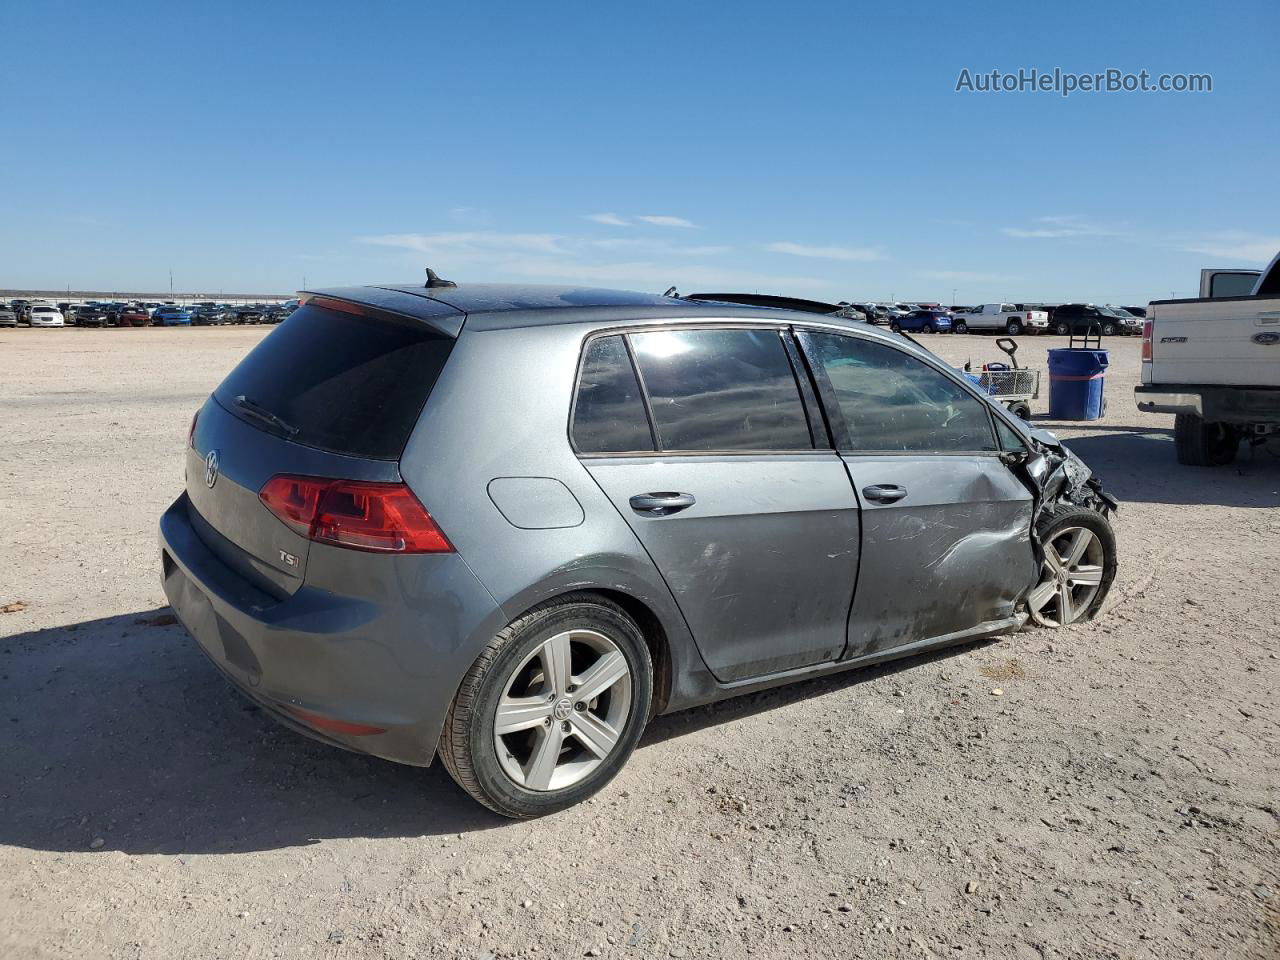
pixel 967 276
pixel 825 253
pixel 1236 247
pixel 663 221
pixel 468 246
pixel 1054 228
pixel 608 219
pixel 639 243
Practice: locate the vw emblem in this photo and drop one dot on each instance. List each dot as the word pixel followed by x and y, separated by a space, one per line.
pixel 211 468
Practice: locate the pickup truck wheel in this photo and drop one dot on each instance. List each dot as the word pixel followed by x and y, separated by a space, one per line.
pixel 1201 443
pixel 1079 566
pixel 1013 328
pixel 1108 329
pixel 960 327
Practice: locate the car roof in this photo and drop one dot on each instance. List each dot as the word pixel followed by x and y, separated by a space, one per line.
pixel 506 306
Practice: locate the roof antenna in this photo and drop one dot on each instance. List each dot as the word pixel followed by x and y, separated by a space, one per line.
pixel 434 280
pixel 671 292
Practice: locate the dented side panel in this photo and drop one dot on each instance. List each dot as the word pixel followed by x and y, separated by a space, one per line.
pixel 955 551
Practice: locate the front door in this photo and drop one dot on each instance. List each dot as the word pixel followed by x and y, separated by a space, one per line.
pixel 945 523
pixel 752 524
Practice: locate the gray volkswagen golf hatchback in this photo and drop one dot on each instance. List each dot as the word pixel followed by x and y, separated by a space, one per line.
pixel 507 525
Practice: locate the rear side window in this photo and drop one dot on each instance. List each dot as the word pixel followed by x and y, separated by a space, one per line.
pixel 608 415
pixel 721 390
pixel 349 384
pixel 892 402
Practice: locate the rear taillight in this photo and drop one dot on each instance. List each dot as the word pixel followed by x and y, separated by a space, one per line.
pixel 191 434
pixel 1146 339
pixel 377 517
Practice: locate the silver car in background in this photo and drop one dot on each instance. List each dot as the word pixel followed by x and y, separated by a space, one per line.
pixel 508 525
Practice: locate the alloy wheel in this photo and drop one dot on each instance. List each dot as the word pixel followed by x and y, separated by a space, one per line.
pixel 1072 573
pixel 562 710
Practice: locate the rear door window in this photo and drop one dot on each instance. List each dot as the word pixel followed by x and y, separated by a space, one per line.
pixel 345 383
pixel 892 402
pixel 608 413
pixel 712 390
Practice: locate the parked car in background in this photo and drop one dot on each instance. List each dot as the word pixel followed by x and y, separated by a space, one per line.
pixel 1001 318
pixel 171 317
pixel 923 321
pixel 133 315
pixel 247 313
pixel 1140 312
pixel 1125 323
pixel 88 315
pixel 7 317
pixel 20 309
pixel 210 314
pixel 45 315
pixel 1215 364
pixel 583 535
pixel 1081 318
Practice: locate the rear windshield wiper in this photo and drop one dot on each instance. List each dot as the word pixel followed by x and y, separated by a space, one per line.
pixel 264 415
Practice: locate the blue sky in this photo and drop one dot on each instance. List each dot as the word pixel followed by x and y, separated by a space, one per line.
pixel 814 149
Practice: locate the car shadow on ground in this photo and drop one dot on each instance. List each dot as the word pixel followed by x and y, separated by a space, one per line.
pixel 1139 466
pixel 119 729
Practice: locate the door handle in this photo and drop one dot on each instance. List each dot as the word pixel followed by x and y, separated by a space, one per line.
pixel 884 492
pixel 661 504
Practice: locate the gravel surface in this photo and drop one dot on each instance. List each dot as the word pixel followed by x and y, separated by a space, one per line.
pixel 1106 791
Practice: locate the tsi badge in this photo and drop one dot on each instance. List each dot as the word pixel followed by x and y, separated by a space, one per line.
pixel 211 469
pixel 288 559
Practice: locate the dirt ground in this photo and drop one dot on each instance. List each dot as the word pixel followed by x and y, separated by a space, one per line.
pixel 1120 798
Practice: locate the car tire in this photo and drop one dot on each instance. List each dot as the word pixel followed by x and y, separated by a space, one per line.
pixel 1021 409
pixel 1062 329
pixel 895 327
pixel 1201 443
pixel 960 327
pixel 1013 328
pixel 930 328
pixel 1057 528
pixel 1108 329
pixel 520 657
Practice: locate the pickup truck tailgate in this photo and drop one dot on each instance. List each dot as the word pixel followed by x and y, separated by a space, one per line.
pixel 1231 341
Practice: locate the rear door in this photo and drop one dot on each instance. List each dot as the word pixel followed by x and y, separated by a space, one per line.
pixel 329 393
pixel 945 524
pixel 726 476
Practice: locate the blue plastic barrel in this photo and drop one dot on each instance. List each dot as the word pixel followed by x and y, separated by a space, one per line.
pixel 1076 379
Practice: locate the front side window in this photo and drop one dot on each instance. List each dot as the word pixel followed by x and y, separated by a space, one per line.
pixel 608 415
pixel 892 402
pixel 721 390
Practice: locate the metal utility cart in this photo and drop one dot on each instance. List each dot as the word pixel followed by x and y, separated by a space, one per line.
pixel 1012 385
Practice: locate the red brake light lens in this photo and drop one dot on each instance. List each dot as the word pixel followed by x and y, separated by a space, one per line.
pixel 1146 339
pixel 359 515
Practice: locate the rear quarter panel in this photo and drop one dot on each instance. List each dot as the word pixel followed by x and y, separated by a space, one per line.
pixel 500 410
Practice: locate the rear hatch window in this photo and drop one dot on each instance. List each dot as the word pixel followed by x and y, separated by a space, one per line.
pixel 341 382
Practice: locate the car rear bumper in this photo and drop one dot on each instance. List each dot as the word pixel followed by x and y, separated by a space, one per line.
pixel 385 660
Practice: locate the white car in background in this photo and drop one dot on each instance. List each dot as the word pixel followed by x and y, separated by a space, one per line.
pixel 45 315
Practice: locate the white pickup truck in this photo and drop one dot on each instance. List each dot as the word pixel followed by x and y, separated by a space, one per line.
pixel 1214 362
pixel 1001 317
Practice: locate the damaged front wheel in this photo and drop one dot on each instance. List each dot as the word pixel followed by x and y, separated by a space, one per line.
pixel 1079 566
